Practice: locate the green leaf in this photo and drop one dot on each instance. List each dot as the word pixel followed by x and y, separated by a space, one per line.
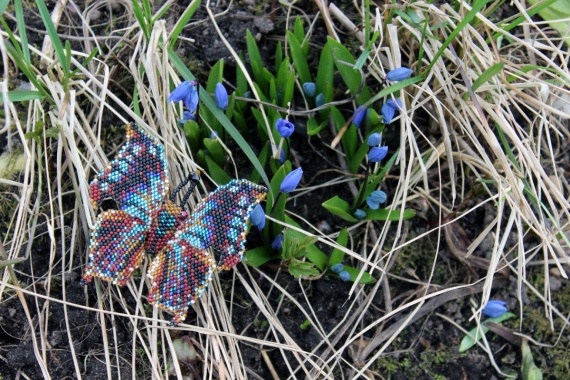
pixel 53 36
pixel 256 257
pixel 305 325
pixel 337 255
pixel 255 61
pixel 354 273
pixel 385 214
pixel 325 78
pixel 295 245
pixel 313 126
pixel 192 133
pixel 216 150
pixel 183 21
pixel 357 158
pixel 286 83
pixel 217 173
pixel 350 139
pixel 345 64
pixel 475 8
pixel 6 263
pixel 313 253
pixel 299 32
pixel 529 370
pixel 340 207
pixel 278 54
pixel 299 59
pixel 215 76
pixel 299 268
pixel 487 75
pixel 23 96
pixel 263 156
pixel 20 21
pixel 474 335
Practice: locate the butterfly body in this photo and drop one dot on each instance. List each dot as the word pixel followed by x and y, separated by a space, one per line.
pixel 147 222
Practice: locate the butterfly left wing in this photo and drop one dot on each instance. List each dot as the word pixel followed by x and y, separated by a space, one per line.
pixel 182 270
pixel 116 248
pixel 137 178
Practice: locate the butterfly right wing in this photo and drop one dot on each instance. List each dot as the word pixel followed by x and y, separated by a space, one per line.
pixel 182 270
pixel 116 248
pixel 180 273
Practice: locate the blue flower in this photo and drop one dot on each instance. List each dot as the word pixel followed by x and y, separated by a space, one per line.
pixel 379 196
pixel 359 214
pixel 309 88
pixel 257 217
pixel 373 205
pixel 284 127
pixel 375 198
pixel 319 100
pixel 377 154
pixel 213 135
pixel 399 74
pixel 359 115
pixel 374 139
pixel 186 91
pixel 495 308
pixel 282 156
pixel 187 116
pixel 389 109
pixel 291 181
pixel 344 276
pixel 277 243
pixel 337 268
pixel 221 96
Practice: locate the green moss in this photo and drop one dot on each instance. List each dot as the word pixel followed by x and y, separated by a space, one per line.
pixel 537 325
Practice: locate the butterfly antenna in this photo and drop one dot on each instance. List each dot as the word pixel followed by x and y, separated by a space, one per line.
pixel 195 179
pixel 192 177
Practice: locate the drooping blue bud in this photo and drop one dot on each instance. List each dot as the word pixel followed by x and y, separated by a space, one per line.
pixel 257 217
pixel 284 127
pixel 186 91
pixel 359 115
pixel 495 308
pixel 359 214
pixel 277 243
pixel 291 181
pixel 319 100
pixel 221 96
pixel 344 276
pixel 337 268
pixel 399 74
pixel 374 139
pixel 309 88
pixel 377 154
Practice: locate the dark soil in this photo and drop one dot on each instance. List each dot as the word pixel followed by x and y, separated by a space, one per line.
pixel 427 349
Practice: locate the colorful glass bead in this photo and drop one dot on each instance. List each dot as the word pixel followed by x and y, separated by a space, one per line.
pixel 148 222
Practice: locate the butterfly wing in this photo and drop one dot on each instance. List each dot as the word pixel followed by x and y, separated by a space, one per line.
pixel 180 273
pixel 116 248
pixel 136 178
pixel 182 270
pixel 221 220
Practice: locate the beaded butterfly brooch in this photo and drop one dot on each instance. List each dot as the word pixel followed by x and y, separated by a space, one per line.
pixel 147 221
